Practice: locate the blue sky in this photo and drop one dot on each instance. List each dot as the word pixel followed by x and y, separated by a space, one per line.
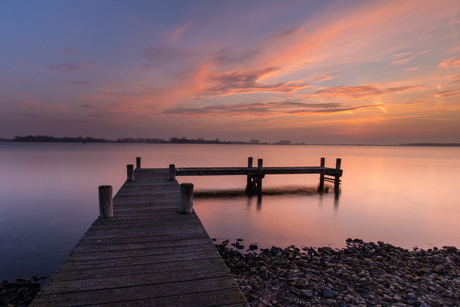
pixel 309 71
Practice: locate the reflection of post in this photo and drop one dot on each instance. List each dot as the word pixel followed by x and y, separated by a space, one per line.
pixel 172 172
pixel 321 177
pixel 130 172
pixel 186 198
pixel 138 162
pixel 337 176
pixel 105 202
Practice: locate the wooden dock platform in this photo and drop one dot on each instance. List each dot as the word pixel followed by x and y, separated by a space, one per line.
pixel 146 255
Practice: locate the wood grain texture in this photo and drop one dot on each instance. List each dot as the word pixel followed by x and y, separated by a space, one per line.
pixel 146 255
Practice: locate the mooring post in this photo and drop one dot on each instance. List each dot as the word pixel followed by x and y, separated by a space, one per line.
pixel 105 202
pixel 186 198
pixel 138 162
pixel 248 181
pixel 172 172
pixel 321 176
pixel 337 176
pixel 260 166
pixel 130 172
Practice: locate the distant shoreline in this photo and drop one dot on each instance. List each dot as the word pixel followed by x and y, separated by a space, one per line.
pixel 183 140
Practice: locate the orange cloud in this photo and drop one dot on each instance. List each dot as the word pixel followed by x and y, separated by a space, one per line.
pixel 267 109
pixel 454 62
pixel 240 82
pixel 447 93
pixel 454 78
pixel 357 92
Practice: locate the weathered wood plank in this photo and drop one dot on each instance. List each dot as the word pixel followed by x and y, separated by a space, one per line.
pixel 143 292
pixel 147 254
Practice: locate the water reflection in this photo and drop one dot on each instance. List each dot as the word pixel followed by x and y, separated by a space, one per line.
pixel 403 196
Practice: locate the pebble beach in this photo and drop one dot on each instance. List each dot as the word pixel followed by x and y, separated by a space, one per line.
pixel 361 274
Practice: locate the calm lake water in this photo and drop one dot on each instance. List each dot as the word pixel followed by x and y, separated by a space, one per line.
pixel 406 196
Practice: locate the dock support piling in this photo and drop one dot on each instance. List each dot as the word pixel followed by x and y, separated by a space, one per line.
pixel 248 181
pixel 260 175
pixel 321 177
pixel 186 198
pixel 337 176
pixel 172 172
pixel 105 202
pixel 138 162
pixel 130 172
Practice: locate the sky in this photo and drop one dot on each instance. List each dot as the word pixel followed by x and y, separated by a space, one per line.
pixel 322 72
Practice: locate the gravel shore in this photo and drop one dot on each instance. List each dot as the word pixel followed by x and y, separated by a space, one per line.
pixel 361 274
pixel 19 293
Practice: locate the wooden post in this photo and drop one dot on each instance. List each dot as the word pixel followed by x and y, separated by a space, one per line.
pixel 105 202
pixel 260 165
pixel 138 162
pixel 186 198
pixel 249 178
pixel 321 177
pixel 337 176
pixel 130 172
pixel 172 172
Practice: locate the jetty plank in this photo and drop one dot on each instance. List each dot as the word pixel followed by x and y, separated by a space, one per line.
pixel 146 255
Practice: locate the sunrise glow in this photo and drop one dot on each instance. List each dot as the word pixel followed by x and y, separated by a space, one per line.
pixel 379 72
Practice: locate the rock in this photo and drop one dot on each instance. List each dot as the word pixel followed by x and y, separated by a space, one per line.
pixel 328 293
pixel 253 247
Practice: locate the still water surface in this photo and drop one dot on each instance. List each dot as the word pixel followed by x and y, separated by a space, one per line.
pixel 406 196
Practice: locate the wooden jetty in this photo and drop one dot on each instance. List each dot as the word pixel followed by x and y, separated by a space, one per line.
pixel 145 253
pixel 147 249
pixel 256 174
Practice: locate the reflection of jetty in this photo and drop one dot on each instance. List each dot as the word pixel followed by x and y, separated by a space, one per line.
pixel 256 174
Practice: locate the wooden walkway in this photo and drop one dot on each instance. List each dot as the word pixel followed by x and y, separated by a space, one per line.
pixel 147 255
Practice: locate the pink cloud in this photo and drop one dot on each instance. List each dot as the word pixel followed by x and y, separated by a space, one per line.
pixel 454 62
pixel 267 109
pixel 248 82
pixel 357 92
pixel 448 93
pixel 454 78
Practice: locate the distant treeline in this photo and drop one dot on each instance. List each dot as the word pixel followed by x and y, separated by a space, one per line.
pixel 79 139
pixel 431 144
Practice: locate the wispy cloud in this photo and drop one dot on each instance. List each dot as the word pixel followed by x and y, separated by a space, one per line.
pixel 454 78
pixel 447 93
pixel 403 57
pixel 70 67
pixel 240 82
pixel 454 62
pixel 264 109
pixel 358 92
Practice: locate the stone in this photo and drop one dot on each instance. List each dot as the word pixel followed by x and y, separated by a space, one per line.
pixel 328 293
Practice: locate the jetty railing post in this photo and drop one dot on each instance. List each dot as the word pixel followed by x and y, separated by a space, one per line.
pixel 130 172
pixel 105 202
pixel 138 162
pixel 249 177
pixel 186 198
pixel 337 176
pixel 321 177
pixel 260 165
pixel 172 172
